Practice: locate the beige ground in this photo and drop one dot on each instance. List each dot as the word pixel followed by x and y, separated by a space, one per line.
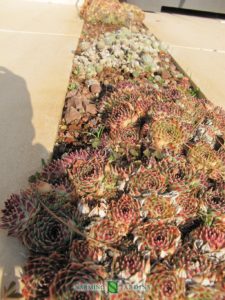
pixel 36 40
pixel 198 45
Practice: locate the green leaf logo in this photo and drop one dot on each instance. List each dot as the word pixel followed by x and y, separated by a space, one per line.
pixel 112 287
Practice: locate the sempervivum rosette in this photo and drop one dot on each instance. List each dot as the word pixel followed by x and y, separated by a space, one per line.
pixel 125 295
pixel 83 250
pixel 146 180
pixel 107 231
pixel 45 234
pixel 179 171
pixel 199 292
pixel 91 176
pixel 125 211
pixel 38 273
pixel 214 201
pixel 210 238
pixel 132 266
pixel 17 212
pixel 204 158
pixel 165 285
pixel 161 239
pixel 190 264
pixel 169 133
pixel 125 137
pixel 78 281
pixel 158 207
pixel 188 207
pixel 122 116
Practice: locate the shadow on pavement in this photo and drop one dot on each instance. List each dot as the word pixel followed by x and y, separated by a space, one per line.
pixel 18 160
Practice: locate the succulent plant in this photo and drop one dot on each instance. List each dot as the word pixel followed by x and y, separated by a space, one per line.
pixel 169 133
pixel 190 264
pixel 147 180
pixel 125 211
pixel 83 250
pixel 204 158
pixel 159 208
pixel 199 292
pixel 214 201
pixel 107 231
pixel 210 238
pixel 38 273
pixel 68 282
pixel 17 212
pixel 161 239
pixel 165 285
pixel 132 266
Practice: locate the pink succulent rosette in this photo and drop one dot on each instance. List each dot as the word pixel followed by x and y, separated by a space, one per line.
pixel 159 208
pixel 165 285
pixel 71 282
pixel 204 158
pixel 188 206
pixel 125 211
pixel 210 238
pixel 132 266
pixel 107 231
pixel 190 264
pixel 169 133
pixel 82 250
pixel 215 202
pixel 199 292
pixel 161 239
pixel 146 180
pixel 38 273
pixel 17 212
pixel 92 176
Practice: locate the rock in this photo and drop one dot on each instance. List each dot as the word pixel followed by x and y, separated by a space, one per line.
pixel 71 115
pixel 91 108
pixel 95 88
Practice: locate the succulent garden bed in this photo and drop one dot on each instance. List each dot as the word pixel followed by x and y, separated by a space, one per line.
pixel 132 202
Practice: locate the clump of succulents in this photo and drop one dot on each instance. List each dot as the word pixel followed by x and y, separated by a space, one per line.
pixel 111 12
pixel 143 201
pixel 123 49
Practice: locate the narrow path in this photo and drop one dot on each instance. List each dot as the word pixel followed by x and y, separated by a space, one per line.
pixel 37 39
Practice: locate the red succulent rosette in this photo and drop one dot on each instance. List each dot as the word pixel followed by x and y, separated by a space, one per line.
pixel 107 231
pixel 17 212
pixel 169 133
pixel 82 250
pixel 199 292
pixel 146 180
pixel 214 200
pixel 187 207
pixel 125 211
pixel 125 137
pixel 91 176
pixel 38 273
pixel 210 238
pixel 165 285
pixel 73 282
pixel 190 264
pixel 161 239
pixel 158 207
pixel 122 115
pixel 132 266
pixel 203 157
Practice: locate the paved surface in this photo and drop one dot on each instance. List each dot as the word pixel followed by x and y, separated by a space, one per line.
pixel 35 62
pixel 198 45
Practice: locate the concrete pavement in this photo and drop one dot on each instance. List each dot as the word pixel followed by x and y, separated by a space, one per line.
pixel 198 45
pixel 37 39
